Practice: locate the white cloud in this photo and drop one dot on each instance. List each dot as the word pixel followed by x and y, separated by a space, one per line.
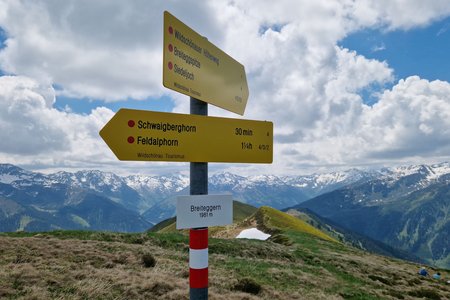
pixel 109 50
pixel 32 131
pixel 410 122
pixel 402 14
pixel 413 119
pixel 298 77
pixel 26 128
pixel 378 48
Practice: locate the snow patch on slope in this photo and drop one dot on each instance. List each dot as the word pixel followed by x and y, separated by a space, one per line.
pixel 253 233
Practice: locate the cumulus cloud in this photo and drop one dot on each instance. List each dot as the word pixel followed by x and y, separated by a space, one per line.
pixel 410 122
pixel 26 126
pixel 109 50
pixel 412 119
pixel 33 131
pixel 298 77
pixel 401 14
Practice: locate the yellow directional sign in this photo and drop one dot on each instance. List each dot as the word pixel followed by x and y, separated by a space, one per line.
pixel 141 135
pixel 195 67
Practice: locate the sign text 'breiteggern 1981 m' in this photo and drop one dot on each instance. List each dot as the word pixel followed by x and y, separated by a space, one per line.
pixel 197 68
pixel 204 211
pixel 141 135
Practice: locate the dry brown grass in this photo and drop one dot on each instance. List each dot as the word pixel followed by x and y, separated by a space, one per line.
pixel 49 268
pixel 44 268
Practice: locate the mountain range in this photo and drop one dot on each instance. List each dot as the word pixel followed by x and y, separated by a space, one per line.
pixel 151 198
pixel 404 207
pixel 35 202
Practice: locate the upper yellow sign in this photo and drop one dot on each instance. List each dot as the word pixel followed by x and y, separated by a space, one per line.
pixel 195 67
pixel 156 136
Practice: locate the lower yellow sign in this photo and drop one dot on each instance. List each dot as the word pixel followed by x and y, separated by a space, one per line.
pixel 141 135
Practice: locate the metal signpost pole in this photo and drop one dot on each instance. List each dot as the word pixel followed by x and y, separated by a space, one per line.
pixel 198 237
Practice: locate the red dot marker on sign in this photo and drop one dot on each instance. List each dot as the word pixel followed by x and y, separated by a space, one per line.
pixel 131 123
pixel 170 66
pixel 130 139
pixel 170 30
pixel 170 47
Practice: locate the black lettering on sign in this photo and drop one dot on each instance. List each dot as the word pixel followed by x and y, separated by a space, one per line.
pixel 149 141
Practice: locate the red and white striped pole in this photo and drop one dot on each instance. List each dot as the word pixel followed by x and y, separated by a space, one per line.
pixel 198 237
pixel 198 262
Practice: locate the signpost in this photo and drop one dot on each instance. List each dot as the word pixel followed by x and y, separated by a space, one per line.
pixel 141 135
pixel 195 67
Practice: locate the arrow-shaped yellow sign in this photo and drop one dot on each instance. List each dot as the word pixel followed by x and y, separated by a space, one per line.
pixel 141 135
pixel 195 67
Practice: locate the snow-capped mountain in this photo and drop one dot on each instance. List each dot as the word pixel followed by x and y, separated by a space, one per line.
pixel 153 189
pixel 421 175
pixel 95 180
pixel 10 174
pixel 104 183
pixel 431 171
pixel 316 184
pixel 225 179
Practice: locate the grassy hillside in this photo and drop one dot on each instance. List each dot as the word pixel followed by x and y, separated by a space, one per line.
pixel 245 216
pixel 242 211
pixel 93 265
pixel 279 224
pixel 164 224
pixel 273 220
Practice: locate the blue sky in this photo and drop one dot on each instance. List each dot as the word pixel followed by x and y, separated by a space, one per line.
pixel 87 105
pixel 421 51
pixel 69 66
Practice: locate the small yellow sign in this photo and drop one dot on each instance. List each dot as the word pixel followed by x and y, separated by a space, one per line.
pixel 141 135
pixel 195 67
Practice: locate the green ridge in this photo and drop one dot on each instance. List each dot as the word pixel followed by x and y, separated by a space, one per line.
pixel 273 219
